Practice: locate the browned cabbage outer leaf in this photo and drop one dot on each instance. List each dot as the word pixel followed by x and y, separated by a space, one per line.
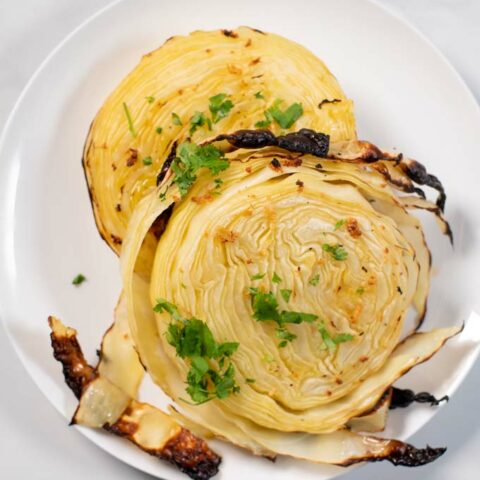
pixel 142 424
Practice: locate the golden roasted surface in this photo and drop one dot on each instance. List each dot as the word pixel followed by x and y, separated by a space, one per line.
pixel 179 78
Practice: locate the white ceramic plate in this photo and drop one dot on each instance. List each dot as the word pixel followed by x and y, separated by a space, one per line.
pixel 407 96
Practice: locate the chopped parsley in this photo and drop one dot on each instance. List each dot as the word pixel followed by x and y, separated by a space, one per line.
pixel 265 123
pixel 286 294
pixel 191 158
pixel 265 308
pixel 360 291
pixel 259 95
pixel 257 276
pixel 339 224
pixel 330 342
pixel 337 251
pixel 250 380
pixel 131 127
pixel 147 161
pixel 284 118
pixel 314 280
pixel 79 279
pixel 218 182
pixel 209 376
pixel 150 99
pixel 198 120
pixel 176 119
pixel 219 106
pixel 159 130
pixel 276 278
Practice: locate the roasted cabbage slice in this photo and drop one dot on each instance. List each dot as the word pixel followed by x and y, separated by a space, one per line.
pixel 199 86
pixel 334 233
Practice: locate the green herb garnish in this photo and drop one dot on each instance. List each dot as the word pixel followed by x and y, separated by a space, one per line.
pixel 337 251
pixel 159 130
pixel 330 342
pixel 259 95
pixel 191 158
pixel 250 380
pixel 286 294
pixel 209 377
pixel 314 280
pixel 257 276
pixel 360 291
pixel 218 182
pixel 265 123
pixel 147 161
pixel 286 118
pixel 176 119
pixel 265 308
pixel 79 279
pixel 150 99
pixel 219 106
pixel 276 278
pixel 129 120
pixel 339 224
pixel 198 120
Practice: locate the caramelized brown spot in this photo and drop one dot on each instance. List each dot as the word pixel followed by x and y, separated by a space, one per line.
pixel 114 167
pixel 248 169
pixel 234 69
pixel 363 358
pixel 116 240
pixel 353 228
pixel 249 42
pixel 202 199
pixel 300 185
pixel 275 164
pixel 226 236
pixel 66 349
pixel 118 207
pixel 255 61
pixel 292 162
pixel 133 157
pixel 326 101
pixel 230 33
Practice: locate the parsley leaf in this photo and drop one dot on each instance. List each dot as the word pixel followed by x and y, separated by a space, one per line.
pixel 297 317
pixel 159 130
pixel 360 291
pixel 219 106
pixel 265 307
pixel 79 279
pixel 257 276
pixel 198 120
pixel 286 294
pixel 250 380
pixel 337 251
pixel 150 99
pixel 131 127
pixel 191 158
pixel 218 182
pixel 259 95
pixel 265 123
pixel 193 340
pixel 276 278
pixel 147 161
pixel 284 335
pixel 330 342
pixel 339 224
pixel 176 119
pixel 314 280
pixel 286 118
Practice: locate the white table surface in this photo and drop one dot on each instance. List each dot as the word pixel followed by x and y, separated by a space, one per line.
pixel 35 441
